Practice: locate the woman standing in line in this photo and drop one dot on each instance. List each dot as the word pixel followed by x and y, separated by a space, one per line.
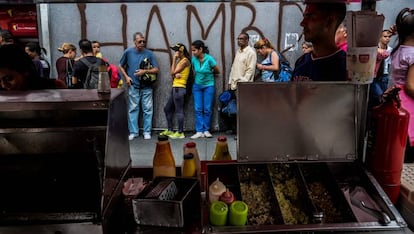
pixel 180 71
pixel 270 64
pixel 64 64
pixel 402 63
pixel 205 68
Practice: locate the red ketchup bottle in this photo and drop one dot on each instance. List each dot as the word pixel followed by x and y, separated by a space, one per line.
pixel 227 197
pixel 387 138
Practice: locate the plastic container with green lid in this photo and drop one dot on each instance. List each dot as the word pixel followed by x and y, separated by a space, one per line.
pixel 238 213
pixel 218 213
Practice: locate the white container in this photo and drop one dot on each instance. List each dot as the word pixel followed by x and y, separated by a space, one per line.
pixel 360 62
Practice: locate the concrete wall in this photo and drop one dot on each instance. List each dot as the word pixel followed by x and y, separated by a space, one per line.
pixel 166 23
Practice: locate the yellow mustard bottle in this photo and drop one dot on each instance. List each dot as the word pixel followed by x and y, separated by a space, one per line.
pixel 191 147
pixel 189 167
pixel 222 149
pixel 163 162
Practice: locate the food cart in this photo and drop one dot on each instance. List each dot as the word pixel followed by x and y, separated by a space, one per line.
pixel 64 157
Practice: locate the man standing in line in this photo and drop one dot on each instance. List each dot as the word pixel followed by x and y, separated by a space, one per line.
pixel 139 93
pixel 242 70
pixel 80 67
pixel 326 62
pixel 6 37
pixel 381 72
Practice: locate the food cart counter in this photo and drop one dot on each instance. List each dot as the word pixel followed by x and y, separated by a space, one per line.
pixel 64 155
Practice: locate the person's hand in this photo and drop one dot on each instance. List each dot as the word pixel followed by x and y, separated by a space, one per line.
pixel 393 29
pixel 139 72
pixel 176 54
pixel 177 75
pixel 128 80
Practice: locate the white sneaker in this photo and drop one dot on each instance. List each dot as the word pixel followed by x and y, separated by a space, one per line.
pixel 208 134
pixel 132 136
pixel 197 135
pixel 147 136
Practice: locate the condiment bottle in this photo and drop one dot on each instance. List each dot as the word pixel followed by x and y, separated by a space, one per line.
pixel 218 213
pixel 104 85
pixel 163 163
pixel 238 213
pixel 222 149
pixel 215 190
pixel 189 167
pixel 227 197
pixel 190 147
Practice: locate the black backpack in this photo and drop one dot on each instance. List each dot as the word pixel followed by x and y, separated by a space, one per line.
pixel 92 77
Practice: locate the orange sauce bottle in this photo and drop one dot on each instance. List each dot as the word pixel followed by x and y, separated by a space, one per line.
pixel 163 162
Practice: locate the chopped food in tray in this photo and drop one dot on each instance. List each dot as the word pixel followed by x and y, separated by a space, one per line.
pixel 257 193
pixel 290 192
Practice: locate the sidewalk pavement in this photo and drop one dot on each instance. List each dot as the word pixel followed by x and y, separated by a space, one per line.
pixel 142 151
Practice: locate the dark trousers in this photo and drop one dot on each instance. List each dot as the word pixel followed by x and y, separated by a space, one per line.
pixel 175 104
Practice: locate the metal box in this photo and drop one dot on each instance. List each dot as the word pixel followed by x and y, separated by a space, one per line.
pixel 180 208
pixel 304 139
pixel 63 155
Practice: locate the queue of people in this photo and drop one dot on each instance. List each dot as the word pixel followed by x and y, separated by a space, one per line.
pixel 323 59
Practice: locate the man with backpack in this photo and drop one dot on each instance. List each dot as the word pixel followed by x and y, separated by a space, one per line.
pixel 86 69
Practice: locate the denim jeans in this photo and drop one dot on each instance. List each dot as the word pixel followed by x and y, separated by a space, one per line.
pixel 377 88
pixel 175 104
pixel 203 106
pixel 137 98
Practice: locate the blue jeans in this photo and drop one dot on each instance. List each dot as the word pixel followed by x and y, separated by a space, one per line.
pixel 175 104
pixel 376 89
pixel 136 98
pixel 203 106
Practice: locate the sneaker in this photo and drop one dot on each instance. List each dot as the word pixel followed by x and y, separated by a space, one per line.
pixel 177 135
pixel 147 136
pixel 197 135
pixel 208 134
pixel 167 132
pixel 132 136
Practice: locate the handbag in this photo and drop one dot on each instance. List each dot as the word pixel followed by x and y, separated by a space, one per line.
pixel 230 108
pixel 147 78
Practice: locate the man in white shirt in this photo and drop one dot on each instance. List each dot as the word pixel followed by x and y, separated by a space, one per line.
pixel 242 70
pixel 244 63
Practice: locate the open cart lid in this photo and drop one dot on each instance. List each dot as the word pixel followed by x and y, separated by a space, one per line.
pixel 299 121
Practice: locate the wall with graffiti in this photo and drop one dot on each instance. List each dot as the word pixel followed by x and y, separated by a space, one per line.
pixel 166 23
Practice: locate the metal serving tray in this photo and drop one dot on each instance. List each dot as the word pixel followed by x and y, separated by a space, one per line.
pixel 314 130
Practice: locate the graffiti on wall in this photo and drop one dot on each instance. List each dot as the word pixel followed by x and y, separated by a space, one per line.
pixel 194 14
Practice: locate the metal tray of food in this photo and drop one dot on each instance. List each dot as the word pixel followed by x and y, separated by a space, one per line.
pixel 282 197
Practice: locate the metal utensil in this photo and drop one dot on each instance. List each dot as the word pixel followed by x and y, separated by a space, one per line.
pixel 317 213
pixel 380 215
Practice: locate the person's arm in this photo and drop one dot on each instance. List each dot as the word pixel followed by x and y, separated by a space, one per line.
pixel 128 79
pixel 251 68
pixel 274 66
pixel 409 85
pixel 176 69
pixel 216 70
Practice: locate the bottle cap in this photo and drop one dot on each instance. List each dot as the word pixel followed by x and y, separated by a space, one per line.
pixel 162 138
pixel 222 138
pixel 190 144
pixel 188 156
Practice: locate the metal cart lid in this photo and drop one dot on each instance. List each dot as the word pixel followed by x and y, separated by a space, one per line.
pixel 299 121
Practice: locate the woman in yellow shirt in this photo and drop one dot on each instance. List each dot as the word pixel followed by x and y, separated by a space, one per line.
pixel 180 71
